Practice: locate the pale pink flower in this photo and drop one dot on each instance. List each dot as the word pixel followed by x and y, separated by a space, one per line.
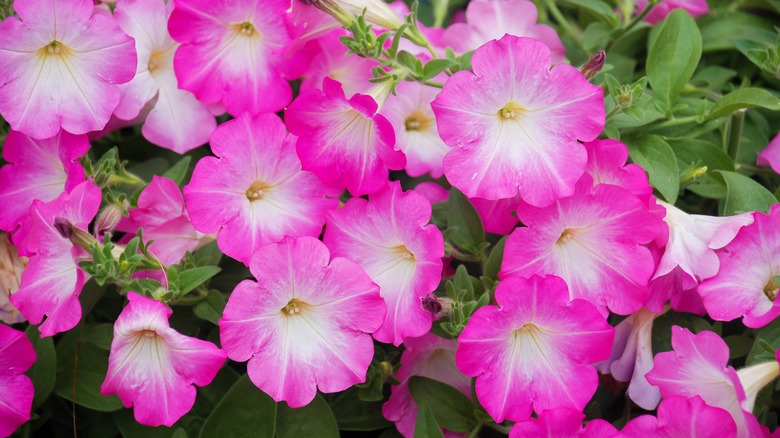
pixel 153 367
pixel 16 390
pixel 164 220
pixel 11 268
pixel 563 423
pixel 37 169
pixel 410 113
pixel 308 318
pixel 332 61
pixel 680 417
pixel 535 351
pixel 390 238
pixel 696 8
pixel 427 356
pixel 492 19
pixel 744 285
pixel 177 121
pixel 229 52
pixel 770 156
pixel 53 280
pixel 514 123
pixel 345 142
pixel 60 64
pixel 255 193
pixel 594 240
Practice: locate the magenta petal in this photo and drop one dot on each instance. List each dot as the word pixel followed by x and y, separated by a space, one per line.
pixel 16 390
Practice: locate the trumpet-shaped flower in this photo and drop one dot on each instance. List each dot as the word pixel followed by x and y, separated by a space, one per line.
pixel 594 241
pixel 535 351
pixel 153 367
pixel 229 52
pixel 16 390
pixel 770 156
pixel 332 61
pixel 389 237
pixel 745 285
pixel 344 141
pixel 306 323
pixel 11 268
pixel 755 377
pixel 683 417
pixel 39 169
pixel 514 123
pixel 427 356
pixel 564 423
pixel 607 165
pixel 177 120
pixel 60 63
pixel 255 193
pixel 53 280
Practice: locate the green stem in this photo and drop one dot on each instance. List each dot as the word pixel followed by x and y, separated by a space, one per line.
pixel 564 23
pixel 665 124
pixel 454 252
pixel 433 84
pixel 614 111
pixel 474 432
pixel 754 169
pixel 638 19
pixel 692 89
pixel 735 133
pixel 126 179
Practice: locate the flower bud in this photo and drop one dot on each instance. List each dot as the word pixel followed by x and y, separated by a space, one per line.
pixel 107 220
pixel 78 237
pixel 376 11
pixel 754 378
pixel 594 64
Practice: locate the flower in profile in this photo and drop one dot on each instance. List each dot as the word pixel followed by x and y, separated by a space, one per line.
pixel 770 156
pixel 514 123
pixel 535 350
pixel 177 120
pixel 594 240
pixel 662 9
pixel 308 318
pixel 53 280
pixel 11 268
pixel 153 367
pixel 37 169
pixel 682 417
pixel 16 389
pixel 745 285
pixel 229 52
pixel 332 61
pixel 607 165
pixel 345 142
pixel 427 356
pixel 562 422
pixel 254 192
pixel 376 12
pixel 54 69
pixel 389 237
pixel 755 377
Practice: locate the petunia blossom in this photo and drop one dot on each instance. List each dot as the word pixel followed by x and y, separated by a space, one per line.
pixel 427 356
pixel 594 241
pixel 683 417
pixel 498 216
pixel 514 123
pixel 255 193
pixel 53 280
pixel 390 238
pixel 770 156
pixel 535 350
pixel 344 141
pixel 306 323
pixel 153 367
pixel 332 61
pixel 755 377
pixel 607 165
pixel 564 423
pixel 745 285
pixel 229 52
pixel 16 390
pixel 662 9
pixel 177 120
pixel 54 61
pixel 37 169
pixel 12 265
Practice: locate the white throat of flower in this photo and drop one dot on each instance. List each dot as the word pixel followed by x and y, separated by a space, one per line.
pixel 755 377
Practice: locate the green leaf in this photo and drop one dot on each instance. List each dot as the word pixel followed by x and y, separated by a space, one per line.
pixel 657 158
pixel 211 308
pixel 192 278
pixel 129 428
pixel 178 172
pixel 451 408
pixel 314 419
pixel 435 66
pixel 694 152
pixel 673 57
pixel 603 11
pixel 44 371
pixel 495 259
pixel 101 335
pixel 738 345
pixel 244 412
pixel 464 221
pixel 744 195
pixel 744 98
pixel 354 414
pixel 766 343
pixel 426 426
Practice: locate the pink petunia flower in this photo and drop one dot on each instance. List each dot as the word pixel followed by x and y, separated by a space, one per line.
pixel 164 220
pixel 255 192
pixel 390 238
pixel 755 377
pixel 744 285
pixel 498 216
pixel 607 165
pixel 153 367
pixel 682 417
pixel 696 8
pixel 344 141
pixel 308 318
pixel 52 282
pixel 177 121
pixel 564 423
pixel 229 52
pixel 514 123
pixel 332 61
pixel 534 351
pixel 37 169
pixel 594 241
pixel 770 156
pixel 11 268
pixel 55 68
pixel 427 356
pixel 16 390
pixel 492 19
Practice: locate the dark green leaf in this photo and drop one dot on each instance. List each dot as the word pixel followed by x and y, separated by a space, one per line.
pixel 178 172
pixel 354 414
pixel 426 426
pixel 744 98
pixel 91 364
pixel 314 419
pixel 192 278
pixel 211 308
pixel 100 335
pixel 435 66
pixel 657 158
pixel 244 412
pixel 129 428
pixel 464 221
pixel 44 371
pixel 701 153
pixel 738 345
pixel 744 195
pixel 451 408
pixel 495 259
pixel 767 342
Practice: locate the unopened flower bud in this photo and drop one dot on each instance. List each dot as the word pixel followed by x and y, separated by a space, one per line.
pixel 386 368
pixel 107 220
pixel 437 306
pixel 376 11
pixel 78 237
pixel 594 64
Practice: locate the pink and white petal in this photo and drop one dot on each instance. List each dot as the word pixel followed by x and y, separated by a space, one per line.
pixel 16 396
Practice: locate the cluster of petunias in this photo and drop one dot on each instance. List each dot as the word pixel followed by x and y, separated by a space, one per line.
pixel 517 134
